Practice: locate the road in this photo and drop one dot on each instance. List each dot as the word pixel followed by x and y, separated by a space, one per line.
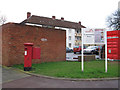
pixel 39 82
pixel 16 79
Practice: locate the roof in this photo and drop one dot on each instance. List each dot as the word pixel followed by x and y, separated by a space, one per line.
pixel 52 22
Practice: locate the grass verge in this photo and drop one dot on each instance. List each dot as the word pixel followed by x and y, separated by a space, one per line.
pixel 92 69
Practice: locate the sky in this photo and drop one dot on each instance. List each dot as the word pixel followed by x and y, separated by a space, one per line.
pixel 91 13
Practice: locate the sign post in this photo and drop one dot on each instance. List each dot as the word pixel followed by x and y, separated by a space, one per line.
pixel 82 60
pixel 105 50
pixel 94 36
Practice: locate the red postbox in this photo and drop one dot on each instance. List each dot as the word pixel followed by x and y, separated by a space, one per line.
pixel 28 56
pixel 30 53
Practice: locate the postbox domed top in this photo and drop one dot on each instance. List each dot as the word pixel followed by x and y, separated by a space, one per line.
pixel 28 44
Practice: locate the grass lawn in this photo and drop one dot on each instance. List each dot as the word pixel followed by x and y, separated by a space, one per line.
pixel 92 69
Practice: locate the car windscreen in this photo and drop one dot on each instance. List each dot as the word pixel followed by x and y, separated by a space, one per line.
pixel 67 48
pixel 76 46
pixel 90 47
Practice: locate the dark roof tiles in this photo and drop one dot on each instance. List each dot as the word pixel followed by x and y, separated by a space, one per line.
pixel 52 22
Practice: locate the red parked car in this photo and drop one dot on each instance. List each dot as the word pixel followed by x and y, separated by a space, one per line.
pixel 78 49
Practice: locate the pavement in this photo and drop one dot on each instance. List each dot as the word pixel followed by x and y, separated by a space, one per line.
pixel 9 74
pixel 16 79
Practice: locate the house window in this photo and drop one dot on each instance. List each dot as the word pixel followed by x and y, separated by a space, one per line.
pixel 69 37
pixel 77 38
pixel 79 43
pixel 77 31
pixel 69 44
pixel 80 38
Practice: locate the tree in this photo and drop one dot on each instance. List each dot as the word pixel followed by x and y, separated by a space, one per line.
pixel 2 20
pixel 113 21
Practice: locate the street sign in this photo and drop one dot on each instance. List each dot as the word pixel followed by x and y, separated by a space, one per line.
pixel 99 36
pixel 88 36
pixel 94 36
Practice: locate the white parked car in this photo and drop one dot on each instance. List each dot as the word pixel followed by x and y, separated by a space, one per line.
pixel 91 49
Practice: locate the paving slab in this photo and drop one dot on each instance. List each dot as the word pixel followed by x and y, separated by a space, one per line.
pixel 9 74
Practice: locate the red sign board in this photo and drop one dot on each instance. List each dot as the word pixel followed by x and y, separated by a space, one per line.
pixel 113 44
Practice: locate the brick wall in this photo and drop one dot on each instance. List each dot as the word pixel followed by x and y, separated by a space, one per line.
pixel 5 46
pixel 0 44
pixel 15 35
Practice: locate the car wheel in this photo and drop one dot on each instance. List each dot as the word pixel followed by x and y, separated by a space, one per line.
pixel 97 53
pixel 92 52
pixel 80 52
pixel 74 52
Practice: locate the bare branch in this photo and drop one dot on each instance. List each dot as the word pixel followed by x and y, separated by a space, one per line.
pixel 2 19
pixel 113 21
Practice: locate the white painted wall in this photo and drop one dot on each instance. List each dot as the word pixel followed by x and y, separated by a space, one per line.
pixel 69 33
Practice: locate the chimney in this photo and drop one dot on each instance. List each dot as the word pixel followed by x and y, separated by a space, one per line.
pixel 62 18
pixel 53 17
pixel 80 22
pixel 28 14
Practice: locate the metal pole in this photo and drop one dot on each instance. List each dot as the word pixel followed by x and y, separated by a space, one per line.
pixel 100 52
pixel 105 50
pixel 82 59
